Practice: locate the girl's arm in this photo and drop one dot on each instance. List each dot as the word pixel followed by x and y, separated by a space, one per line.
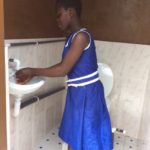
pixel 79 43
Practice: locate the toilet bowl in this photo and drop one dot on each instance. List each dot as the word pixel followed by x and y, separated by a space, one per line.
pixel 106 77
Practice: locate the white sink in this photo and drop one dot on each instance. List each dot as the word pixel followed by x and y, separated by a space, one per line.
pixel 20 90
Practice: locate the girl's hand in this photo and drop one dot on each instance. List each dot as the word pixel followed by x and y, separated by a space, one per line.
pixel 24 75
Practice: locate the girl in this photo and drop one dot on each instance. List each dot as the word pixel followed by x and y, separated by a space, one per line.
pixel 85 123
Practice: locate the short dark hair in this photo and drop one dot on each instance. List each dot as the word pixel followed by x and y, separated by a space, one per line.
pixel 76 4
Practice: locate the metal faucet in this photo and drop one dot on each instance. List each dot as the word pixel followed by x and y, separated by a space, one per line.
pixel 13 65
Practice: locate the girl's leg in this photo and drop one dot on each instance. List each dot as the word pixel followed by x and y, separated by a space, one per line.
pixel 69 148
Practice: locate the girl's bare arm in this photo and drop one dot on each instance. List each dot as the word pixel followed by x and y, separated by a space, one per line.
pixel 79 43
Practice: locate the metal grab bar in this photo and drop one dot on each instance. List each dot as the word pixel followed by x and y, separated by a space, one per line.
pixel 25 103
pixel 13 44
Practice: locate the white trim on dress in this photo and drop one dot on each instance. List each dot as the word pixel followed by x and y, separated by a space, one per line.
pixel 84 83
pixel 83 77
pixel 83 30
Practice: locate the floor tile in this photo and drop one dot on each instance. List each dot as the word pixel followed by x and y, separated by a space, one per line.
pixel 121 142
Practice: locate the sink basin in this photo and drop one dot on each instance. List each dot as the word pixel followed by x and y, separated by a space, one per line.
pixel 19 90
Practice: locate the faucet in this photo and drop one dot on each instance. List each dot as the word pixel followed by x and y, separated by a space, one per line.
pixel 14 65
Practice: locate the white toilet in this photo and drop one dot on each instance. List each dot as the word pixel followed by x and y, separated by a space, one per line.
pixel 106 77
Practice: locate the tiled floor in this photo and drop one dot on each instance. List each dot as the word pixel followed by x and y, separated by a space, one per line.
pixel 121 142
pixel 51 142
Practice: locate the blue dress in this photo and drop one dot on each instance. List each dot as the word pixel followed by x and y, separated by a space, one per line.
pixel 85 123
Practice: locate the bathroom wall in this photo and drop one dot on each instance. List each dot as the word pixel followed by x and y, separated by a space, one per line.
pixel 145 119
pixel 130 64
pixel 120 20
pixel 129 97
pixel 30 19
pixel 36 120
pixel 36 19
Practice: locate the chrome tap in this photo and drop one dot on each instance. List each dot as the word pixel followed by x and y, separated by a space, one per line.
pixel 13 65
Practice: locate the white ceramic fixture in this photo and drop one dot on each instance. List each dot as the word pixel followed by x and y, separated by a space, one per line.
pixel 19 90
pixel 106 77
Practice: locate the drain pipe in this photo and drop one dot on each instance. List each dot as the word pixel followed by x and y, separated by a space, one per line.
pixel 17 105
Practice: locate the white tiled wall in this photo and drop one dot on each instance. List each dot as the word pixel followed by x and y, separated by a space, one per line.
pixel 36 120
pixel 130 64
pixel 130 103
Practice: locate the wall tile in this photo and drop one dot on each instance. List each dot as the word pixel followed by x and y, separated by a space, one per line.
pixel 36 120
pixel 130 64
